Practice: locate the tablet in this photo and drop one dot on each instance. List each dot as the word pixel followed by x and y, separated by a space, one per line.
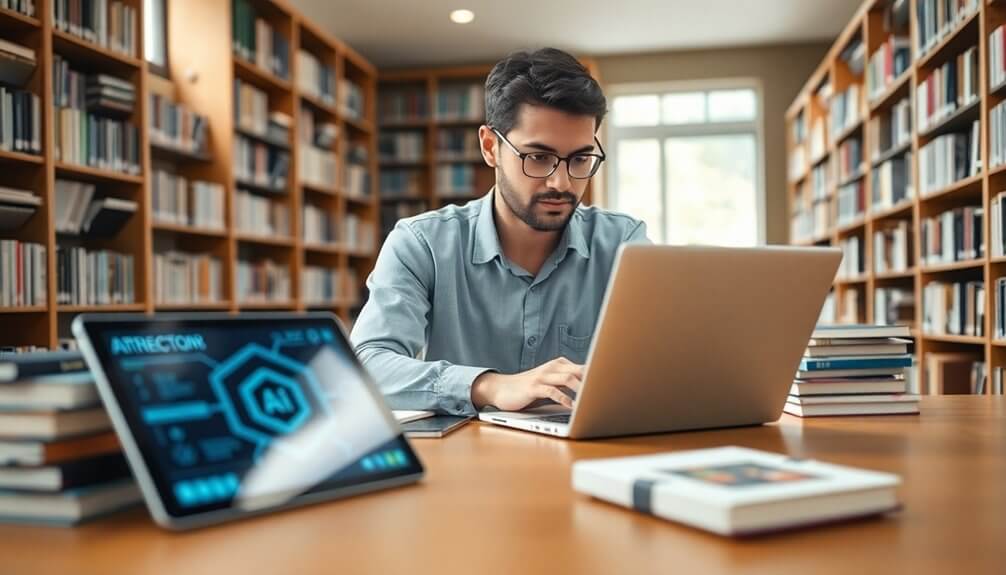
pixel 225 416
pixel 436 426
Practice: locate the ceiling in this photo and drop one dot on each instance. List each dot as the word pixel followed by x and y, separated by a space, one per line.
pixel 409 33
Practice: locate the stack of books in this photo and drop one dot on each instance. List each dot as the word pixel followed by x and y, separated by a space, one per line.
pixel 16 207
pixel 60 463
pixel 20 107
pixel 854 370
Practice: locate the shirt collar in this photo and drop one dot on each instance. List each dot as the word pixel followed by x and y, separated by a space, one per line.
pixel 487 244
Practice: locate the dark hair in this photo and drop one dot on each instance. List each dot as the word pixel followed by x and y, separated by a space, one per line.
pixel 548 77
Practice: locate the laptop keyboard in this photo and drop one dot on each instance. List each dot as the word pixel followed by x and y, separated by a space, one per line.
pixel 562 418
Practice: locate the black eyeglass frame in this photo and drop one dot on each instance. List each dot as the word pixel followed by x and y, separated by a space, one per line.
pixel 558 159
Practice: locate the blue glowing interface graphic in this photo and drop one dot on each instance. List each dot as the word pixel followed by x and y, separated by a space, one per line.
pixel 235 411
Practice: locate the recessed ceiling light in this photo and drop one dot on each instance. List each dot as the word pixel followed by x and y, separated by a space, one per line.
pixel 462 16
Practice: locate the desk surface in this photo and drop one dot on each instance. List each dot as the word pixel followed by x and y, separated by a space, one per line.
pixel 499 501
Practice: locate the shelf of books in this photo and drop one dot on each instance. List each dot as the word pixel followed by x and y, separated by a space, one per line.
pixel 428 146
pixel 896 155
pixel 125 190
pixel 428 140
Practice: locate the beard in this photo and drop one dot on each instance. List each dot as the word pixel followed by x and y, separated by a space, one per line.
pixel 532 214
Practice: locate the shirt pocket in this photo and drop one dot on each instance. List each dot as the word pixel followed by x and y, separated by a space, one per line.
pixel 573 347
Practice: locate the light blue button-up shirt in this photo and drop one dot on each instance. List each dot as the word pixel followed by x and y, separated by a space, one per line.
pixel 446 305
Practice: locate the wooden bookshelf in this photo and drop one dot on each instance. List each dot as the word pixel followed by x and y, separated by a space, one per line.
pixel 201 78
pixel 428 82
pixel 870 25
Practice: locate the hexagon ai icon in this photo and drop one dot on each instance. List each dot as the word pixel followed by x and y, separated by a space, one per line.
pixel 265 395
pixel 274 401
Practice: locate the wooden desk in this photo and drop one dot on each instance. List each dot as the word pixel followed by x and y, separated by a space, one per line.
pixel 499 501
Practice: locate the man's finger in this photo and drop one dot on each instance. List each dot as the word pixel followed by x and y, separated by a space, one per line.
pixel 562 380
pixel 572 368
pixel 553 393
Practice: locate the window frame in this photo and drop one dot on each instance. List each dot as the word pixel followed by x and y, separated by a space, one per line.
pixel 161 70
pixel 661 132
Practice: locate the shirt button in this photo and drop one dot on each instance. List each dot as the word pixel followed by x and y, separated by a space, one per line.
pixel 532 340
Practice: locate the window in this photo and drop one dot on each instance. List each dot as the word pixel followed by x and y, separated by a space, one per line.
pixel 688 162
pixel 155 36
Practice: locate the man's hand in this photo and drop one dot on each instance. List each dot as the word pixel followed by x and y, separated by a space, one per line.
pixel 515 392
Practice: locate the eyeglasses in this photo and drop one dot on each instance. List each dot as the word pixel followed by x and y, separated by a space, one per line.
pixel 543 164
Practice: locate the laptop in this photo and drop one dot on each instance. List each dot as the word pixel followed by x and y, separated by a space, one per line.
pixel 692 338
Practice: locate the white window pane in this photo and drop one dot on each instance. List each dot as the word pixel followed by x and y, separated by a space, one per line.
pixel 153 31
pixel 732 105
pixel 638 180
pixel 636 110
pixel 711 190
pixel 684 108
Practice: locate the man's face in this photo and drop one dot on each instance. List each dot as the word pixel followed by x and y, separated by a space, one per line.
pixel 544 204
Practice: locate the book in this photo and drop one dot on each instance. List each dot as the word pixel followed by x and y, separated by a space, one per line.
pixel 823 334
pixel 861 362
pixel 849 385
pixel 13 217
pixel 50 392
pixel 14 367
pixel 894 404
pixel 72 201
pixel 262 280
pixel 321 286
pixel 107 216
pixel 833 373
pixel 63 476
pixel 17 63
pixel 99 277
pixel 25 7
pixel 107 23
pixel 52 424
pixel 83 133
pixel 38 452
pixel 20 121
pixel 187 278
pixel 22 274
pixel 891 346
pixel 737 491
pixel 19 197
pixel 68 507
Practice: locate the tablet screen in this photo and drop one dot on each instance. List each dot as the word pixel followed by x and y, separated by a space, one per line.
pixel 247 413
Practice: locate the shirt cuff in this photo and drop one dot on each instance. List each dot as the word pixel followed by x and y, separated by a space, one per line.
pixel 454 389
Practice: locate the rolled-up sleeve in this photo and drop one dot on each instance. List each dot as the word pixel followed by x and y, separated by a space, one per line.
pixel 391 331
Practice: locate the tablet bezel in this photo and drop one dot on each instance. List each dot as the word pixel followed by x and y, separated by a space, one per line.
pixel 141 463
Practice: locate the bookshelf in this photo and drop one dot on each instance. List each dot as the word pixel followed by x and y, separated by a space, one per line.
pixel 911 146
pixel 429 154
pixel 201 80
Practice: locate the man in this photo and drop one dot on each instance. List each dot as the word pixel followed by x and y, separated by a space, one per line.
pixel 494 303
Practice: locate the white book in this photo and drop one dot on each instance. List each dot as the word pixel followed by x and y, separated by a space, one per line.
pixel 69 507
pixel 892 405
pixel 848 386
pixel 53 425
pixel 853 398
pixel 832 373
pixel 56 392
pixel 828 332
pixel 737 491
pixel 860 350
